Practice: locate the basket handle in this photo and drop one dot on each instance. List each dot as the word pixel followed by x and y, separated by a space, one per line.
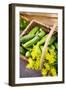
pixel 46 44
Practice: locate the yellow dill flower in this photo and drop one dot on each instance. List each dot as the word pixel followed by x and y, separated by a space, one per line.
pixel 30 63
pixel 34 61
pixel 53 71
pixel 44 72
pixel 33 53
pixel 50 55
pixel 36 52
pixel 37 64
pixel 47 66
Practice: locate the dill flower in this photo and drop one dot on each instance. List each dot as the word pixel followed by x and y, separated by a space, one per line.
pixel 36 52
pixel 34 61
pixel 50 55
pixel 53 71
pixel 47 66
pixel 30 64
pixel 44 72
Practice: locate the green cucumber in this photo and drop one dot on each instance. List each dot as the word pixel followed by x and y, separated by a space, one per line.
pixel 34 40
pixel 41 47
pixel 28 54
pixel 56 45
pixel 53 38
pixel 41 30
pixel 34 30
pixel 31 42
pixel 42 40
pixel 22 50
pixel 26 38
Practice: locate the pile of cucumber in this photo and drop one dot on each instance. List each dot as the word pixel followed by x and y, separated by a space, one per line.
pixel 36 36
pixel 27 41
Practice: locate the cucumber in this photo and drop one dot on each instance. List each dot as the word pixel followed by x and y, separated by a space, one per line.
pixel 41 34
pixel 42 40
pixel 53 38
pixel 41 30
pixel 28 54
pixel 26 38
pixel 41 47
pixel 31 42
pixel 56 45
pixel 34 30
pixel 34 40
pixel 52 46
pixel 22 50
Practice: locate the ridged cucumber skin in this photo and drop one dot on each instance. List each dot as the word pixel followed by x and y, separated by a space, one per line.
pixel 34 30
pixel 26 38
pixel 34 40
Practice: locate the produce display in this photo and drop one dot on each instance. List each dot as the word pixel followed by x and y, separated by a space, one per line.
pixel 31 46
